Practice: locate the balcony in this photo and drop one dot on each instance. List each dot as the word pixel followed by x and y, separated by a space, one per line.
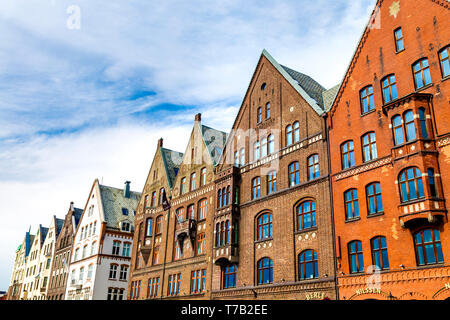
pixel 76 285
pixel 186 228
pixel 42 289
pixel 425 211
pixel 226 254
pixel 413 147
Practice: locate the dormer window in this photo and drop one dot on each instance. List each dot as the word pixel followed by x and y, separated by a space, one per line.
pixel 126 226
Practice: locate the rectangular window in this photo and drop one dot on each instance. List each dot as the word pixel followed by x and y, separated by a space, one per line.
pixel 399 45
pixel 198 279
pixel 201 242
pixel 116 248
pixel 445 61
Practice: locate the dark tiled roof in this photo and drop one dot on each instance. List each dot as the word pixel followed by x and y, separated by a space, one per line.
pixel 43 233
pixel 77 215
pixel 328 97
pixel 59 225
pixel 312 87
pixel 113 201
pixel 215 141
pixel 172 161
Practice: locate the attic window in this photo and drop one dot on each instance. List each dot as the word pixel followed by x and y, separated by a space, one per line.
pixel 125 226
pixel 125 211
pixel 263 86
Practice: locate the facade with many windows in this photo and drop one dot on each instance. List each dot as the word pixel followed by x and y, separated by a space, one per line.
pixel 272 223
pixel 171 256
pixel 389 149
pixel 99 266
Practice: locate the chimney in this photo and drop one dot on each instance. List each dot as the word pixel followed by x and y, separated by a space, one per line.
pixel 160 142
pixel 126 190
pixel 198 117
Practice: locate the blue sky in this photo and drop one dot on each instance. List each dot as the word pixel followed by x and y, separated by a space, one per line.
pixel 79 104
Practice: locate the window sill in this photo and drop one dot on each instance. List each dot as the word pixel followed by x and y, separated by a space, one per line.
pixel 400 51
pixel 412 201
pixel 445 78
pixel 263 240
pixel 424 87
pixel 377 214
pixel 352 220
pixel 305 230
pixel 368 112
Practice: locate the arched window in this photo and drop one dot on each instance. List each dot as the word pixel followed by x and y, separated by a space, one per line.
pixel 183 185
pixel 308 265
pixel 288 135
pixel 256 151
pixel 398 35
pixel 227 232
pixel 202 209
pixel 267 110
pixel 222 233
pixel 410 127
pixel 218 234
pixel 411 185
pixel 374 199
pixel 351 204
pixel 296 132
pixel 219 198
pixel 271 146
pixel 193 181
pixel 379 252
pixel 421 71
pixel 367 100
pixel 264 226
pixel 263 86
pixel 347 154
pixel 228 195
pixel 397 127
pixel 180 216
pixel 259 115
pixel 263 147
pixel 306 215
pixel 313 167
pixel 444 61
pixel 272 182
pixel 265 271
pixel 161 195
pixel 294 174
pixel 146 201
pixel 423 123
pixel 149 227
pixel 203 177
pixel 428 247
pixel 242 157
pixel 389 87
pixel 355 255
pixel 158 225
pixel 369 146
pixel 224 197
pixel 256 188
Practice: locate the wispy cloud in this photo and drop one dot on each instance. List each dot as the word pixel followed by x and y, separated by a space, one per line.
pixel 76 104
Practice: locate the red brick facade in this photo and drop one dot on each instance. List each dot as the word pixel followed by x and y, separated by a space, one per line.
pixel 401 190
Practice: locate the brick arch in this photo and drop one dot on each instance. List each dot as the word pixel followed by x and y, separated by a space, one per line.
pixel 413 295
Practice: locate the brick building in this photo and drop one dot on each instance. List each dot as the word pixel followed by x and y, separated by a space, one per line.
pixel 272 224
pixel 171 255
pixel 62 254
pixel 390 156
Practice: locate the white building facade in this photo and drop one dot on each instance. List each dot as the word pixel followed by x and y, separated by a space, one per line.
pixel 100 262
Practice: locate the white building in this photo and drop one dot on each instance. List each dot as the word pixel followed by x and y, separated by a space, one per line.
pixel 103 241
pixel 19 268
pixel 33 267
